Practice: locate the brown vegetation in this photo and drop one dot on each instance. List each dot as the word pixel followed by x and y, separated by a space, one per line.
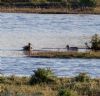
pixel 49 6
pixel 80 85
pixel 57 54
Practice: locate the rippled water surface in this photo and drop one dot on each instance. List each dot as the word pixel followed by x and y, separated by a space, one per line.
pixel 46 30
pixel 61 67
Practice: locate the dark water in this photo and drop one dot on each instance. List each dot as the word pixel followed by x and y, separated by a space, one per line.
pixel 46 30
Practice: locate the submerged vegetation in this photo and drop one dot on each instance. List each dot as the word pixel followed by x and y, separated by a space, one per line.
pixel 80 85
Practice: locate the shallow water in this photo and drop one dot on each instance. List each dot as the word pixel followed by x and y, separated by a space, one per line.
pixel 46 31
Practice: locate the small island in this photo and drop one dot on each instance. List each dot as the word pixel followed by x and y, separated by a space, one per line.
pixel 92 51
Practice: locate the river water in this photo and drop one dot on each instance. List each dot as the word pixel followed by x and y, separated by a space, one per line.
pixel 46 31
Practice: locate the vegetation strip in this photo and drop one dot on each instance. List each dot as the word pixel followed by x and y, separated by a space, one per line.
pixel 67 55
pixel 44 83
pixel 51 6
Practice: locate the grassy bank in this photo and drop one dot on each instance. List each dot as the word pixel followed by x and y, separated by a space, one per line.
pixel 50 7
pixel 33 10
pixel 96 10
pixel 80 85
pixel 57 54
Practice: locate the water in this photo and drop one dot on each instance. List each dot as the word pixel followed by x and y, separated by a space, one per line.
pixel 61 67
pixel 46 31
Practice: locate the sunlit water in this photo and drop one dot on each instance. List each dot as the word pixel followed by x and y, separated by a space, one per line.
pixel 61 67
pixel 46 31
